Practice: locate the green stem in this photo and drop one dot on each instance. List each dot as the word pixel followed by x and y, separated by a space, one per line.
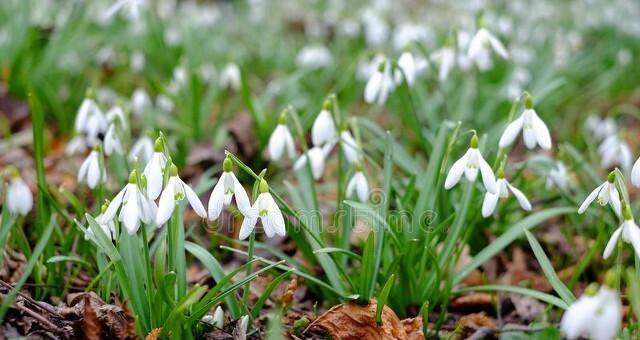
pixel 250 252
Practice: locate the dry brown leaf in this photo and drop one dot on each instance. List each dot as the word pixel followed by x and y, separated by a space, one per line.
pixel 154 334
pixel 91 328
pixel 352 321
pixel 476 320
pixel 473 300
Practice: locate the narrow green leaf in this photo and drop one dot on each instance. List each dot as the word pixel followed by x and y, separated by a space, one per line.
pixel 382 298
pixel 548 298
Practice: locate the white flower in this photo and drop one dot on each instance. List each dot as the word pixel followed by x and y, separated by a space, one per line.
pixel 175 191
pixel 265 209
pixel 468 165
pixel 179 79
pixel 409 33
pixel 165 103
pixel 635 174
pixel 349 146
pixel 131 8
pixel 227 187
pixel 445 58
pixel 630 233
pixel 480 45
pixel 601 128
pixel 379 85
pixel 314 56
pixel 154 171
pixel 216 320
pixel 407 68
pixel 112 141
pixel 140 102
pixel 230 77
pixel 606 193
pixel 595 316
pixel 142 149
pixel 281 141
pixel 75 146
pixel 137 61
pixel 558 176
pixel 534 130
pixel 90 120
pixel 358 184
pixel 116 115
pixel 323 129
pixel 91 171
pixel 615 150
pixel 491 200
pixel 317 156
pixel 19 199
pixel 376 30
pixel 108 228
pixel 135 207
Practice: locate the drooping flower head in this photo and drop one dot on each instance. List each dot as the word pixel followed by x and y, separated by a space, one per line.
pixel 281 140
pixel 92 170
pixel 90 120
pixel 108 228
pixel 534 130
pixel 154 170
pixel 227 187
pixel 503 186
pixel 358 185
pixel 19 199
pixel 480 48
pixel 379 85
pixel 323 129
pixel 142 149
pixel 174 192
pixel 316 155
pixel 469 164
pixel 266 209
pixel 606 193
pixel 349 146
pixel 629 231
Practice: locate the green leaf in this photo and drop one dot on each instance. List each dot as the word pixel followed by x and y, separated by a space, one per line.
pixel 548 298
pixel 257 307
pixel 560 288
pixel 382 298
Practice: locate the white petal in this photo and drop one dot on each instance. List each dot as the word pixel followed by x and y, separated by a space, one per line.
pixel 522 199
pixel 372 89
pixel 456 171
pixel 154 172
pixel 510 133
pixel 216 200
pixel 248 224
pixel 590 198
pixel 129 214
pixel 362 188
pixel 488 178
pixel 275 221
pixel 289 144
pixel 541 131
pixel 276 143
pixel 635 174
pixel 242 200
pixel 530 138
pixel 489 204
pixel 167 201
pixel 194 200
pixel 498 47
pixel 611 245
pixel 113 206
pixel 575 320
pixel 614 199
pixel 633 236
pixel 323 129
pixel 349 147
pixel 93 172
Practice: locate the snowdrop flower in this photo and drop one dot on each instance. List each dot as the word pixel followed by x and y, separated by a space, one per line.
pixel 142 149
pixel 480 45
pixel 379 85
pixel 108 228
pixel 503 186
pixel 376 30
pixel 469 165
pixel 265 209
pixel 349 146
pixel 635 174
pixel 558 176
pixel 135 207
pixel 614 150
pixel 606 193
pixel 137 61
pixel 314 56
pixel 281 140
pixel 75 146
pixel 91 170
pixel 358 184
pixel 154 170
pixel 601 128
pixel 131 8
pixel 116 115
pixel 90 120
pixel 230 77
pixel 317 157
pixel 628 230
pixel 165 103
pixel 227 187
pixel 595 315
pixel 216 320
pixel 112 141
pixel 174 192
pixel 534 130
pixel 409 33
pixel 445 58
pixel 324 129
pixel 140 102
pixel 406 69
pixel 19 199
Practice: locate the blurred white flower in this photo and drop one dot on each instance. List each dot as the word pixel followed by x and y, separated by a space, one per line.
pixel 179 80
pixel 409 33
pixel 349 146
pixel 135 207
pixel 91 170
pixel 207 72
pixel 281 142
pixel 112 141
pixel 90 120
pixel 379 85
pixel 615 151
pixel 606 193
pixel 140 102
pixel 314 56
pixel 468 165
pixel 358 184
pixel 323 129
pixel 216 320
pixel 142 149
pixel 407 68
pixel 534 130
pixel 174 192
pixel 19 199
pixel 267 210
pixel 317 157
pixel 108 228
pixel 503 186
pixel 445 58
pixel 227 187
pixel 558 176
pixel 130 7
pixel 165 103
pixel 481 44
pixel 376 30
pixel 137 61
pixel 601 128
pixel 230 77
pixel 75 146
pixel 594 315
pixel 628 230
